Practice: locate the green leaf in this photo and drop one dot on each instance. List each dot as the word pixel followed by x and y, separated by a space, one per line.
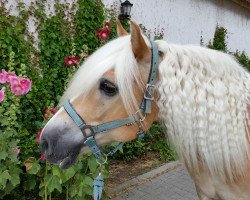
pixel 3 155
pixel 15 179
pixel 68 174
pixel 88 181
pixel 29 184
pixel 35 168
pixel 52 183
pixel 92 164
pixel 6 175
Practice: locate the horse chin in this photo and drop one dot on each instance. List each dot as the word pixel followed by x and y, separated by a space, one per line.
pixel 64 161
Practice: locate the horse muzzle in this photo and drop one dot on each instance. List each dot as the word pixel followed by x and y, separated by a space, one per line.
pixel 61 147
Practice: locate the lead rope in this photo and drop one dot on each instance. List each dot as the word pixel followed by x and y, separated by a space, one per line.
pixel 98 185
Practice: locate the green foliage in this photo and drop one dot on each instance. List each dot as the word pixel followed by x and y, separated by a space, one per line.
pixel 219 41
pixel 243 59
pixel 60 35
pixel 154 140
pixel 87 24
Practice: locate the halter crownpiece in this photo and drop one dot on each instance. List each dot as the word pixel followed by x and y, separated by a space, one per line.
pixel 90 131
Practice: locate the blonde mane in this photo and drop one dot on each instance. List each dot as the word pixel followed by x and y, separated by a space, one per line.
pixel 204 98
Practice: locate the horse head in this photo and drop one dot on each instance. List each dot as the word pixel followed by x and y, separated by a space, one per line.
pixel 108 86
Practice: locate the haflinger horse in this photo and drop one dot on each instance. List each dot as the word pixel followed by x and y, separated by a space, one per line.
pixel 202 96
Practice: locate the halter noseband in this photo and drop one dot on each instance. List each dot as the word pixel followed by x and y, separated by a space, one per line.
pixel 89 131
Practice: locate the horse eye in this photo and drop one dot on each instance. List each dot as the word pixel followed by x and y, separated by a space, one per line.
pixel 108 88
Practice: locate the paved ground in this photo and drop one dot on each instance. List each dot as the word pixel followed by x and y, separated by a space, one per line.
pixel 169 182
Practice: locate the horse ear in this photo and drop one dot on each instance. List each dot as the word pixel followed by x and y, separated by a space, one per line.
pixel 120 30
pixel 139 46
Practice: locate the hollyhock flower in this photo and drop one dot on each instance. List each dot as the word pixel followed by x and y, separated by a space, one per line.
pixel 17 89
pixel 43 156
pixel 107 25
pixel 38 136
pixel 3 77
pixel 2 94
pixel 71 60
pixel 76 60
pixel 17 151
pixel 26 85
pixel 14 80
pixel 104 33
pixel 53 111
pixel 68 61
pixel 9 75
pixel 46 111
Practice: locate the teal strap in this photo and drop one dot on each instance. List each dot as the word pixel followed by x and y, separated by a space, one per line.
pixel 73 114
pixel 94 147
pixel 114 124
pixel 98 187
pixel 150 87
pixel 115 149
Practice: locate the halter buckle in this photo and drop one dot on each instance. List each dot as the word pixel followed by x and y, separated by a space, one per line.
pixel 87 131
pixel 149 92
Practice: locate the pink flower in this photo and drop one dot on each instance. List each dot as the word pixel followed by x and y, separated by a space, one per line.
pixel 2 94
pixel 17 151
pixel 3 77
pixel 43 156
pixel 38 136
pixel 107 25
pixel 17 89
pixel 14 80
pixel 9 75
pixel 26 85
pixel 104 33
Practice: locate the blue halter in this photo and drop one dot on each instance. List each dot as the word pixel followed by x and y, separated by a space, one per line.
pixel 90 131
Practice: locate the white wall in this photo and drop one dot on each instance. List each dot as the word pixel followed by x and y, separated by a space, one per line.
pixel 184 21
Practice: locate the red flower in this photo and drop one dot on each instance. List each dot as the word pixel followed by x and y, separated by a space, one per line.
pixel 39 135
pixel 71 60
pixel 76 60
pixel 53 111
pixel 46 111
pixel 104 33
pixel 43 156
pixel 107 25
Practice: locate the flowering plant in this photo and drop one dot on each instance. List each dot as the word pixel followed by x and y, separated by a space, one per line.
pixel 72 61
pixel 104 33
pixel 18 85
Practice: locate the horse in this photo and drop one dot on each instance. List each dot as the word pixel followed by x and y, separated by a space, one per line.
pixel 202 96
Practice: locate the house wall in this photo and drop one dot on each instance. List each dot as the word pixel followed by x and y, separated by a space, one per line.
pixel 185 21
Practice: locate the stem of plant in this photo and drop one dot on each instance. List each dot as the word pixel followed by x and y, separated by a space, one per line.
pixel 67 192
pixel 45 186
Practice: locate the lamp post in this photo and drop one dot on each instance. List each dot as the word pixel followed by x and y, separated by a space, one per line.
pixel 125 10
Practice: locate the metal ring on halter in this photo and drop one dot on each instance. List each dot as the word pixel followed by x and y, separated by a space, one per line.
pixel 141 117
pixel 104 162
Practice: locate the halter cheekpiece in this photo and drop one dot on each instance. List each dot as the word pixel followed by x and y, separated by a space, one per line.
pixel 89 131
